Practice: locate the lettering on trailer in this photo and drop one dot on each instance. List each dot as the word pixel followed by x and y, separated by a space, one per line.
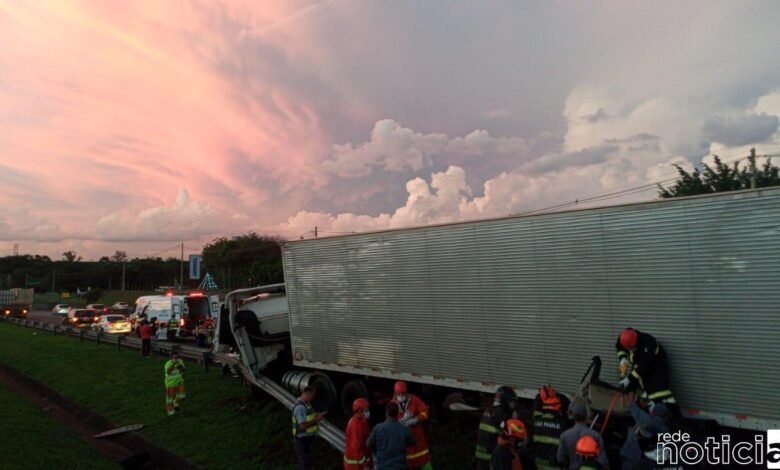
pixel 679 449
pixel 195 262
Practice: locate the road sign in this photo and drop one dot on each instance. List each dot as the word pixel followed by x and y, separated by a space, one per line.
pixel 195 262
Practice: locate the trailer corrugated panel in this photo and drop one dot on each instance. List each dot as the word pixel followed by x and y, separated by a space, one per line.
pixel 528 300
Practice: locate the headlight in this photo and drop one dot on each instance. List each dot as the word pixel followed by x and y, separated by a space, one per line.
pixel 74 319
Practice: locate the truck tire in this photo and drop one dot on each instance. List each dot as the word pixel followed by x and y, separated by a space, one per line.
pixel 352 390
pixel 326 398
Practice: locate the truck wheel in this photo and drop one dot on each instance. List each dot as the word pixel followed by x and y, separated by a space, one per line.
pixel 352 390
pixel 326 398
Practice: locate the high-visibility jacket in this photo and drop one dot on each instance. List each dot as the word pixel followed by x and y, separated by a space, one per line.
pixel 489 430
pixel 175 376
pixel 650 368
pixel 311 415
pixel 418 454
pixel 356 453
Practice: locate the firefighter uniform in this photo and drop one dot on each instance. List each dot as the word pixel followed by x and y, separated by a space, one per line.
pixel 487 436
pixel 356 453
pixel 549 422
pixel 650 369
pixel 418 455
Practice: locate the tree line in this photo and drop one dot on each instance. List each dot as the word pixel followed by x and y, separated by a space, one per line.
pixel 239 261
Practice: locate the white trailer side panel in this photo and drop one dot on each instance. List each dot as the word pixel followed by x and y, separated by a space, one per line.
pixel 528 300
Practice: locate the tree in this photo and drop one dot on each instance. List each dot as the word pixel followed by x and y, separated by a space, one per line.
pixel 119 256
pixel 720 178
pixel 70 256
pixel 244 260
pixel 103 259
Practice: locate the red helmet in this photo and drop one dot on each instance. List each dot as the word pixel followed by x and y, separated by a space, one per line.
pixel 514 428
pixel 399 387
pixel 628 338
pixel 360 404
pixel 587 447
pixel 549 398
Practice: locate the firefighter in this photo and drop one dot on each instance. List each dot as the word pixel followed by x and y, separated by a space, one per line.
pixel 356 453
pixel 413 412
pixel 490 426
pixel 588 450
pixel 645 370
pixel 550 420
pixel 506 455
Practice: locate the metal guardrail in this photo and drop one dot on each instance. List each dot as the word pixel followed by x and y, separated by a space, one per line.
pixel 331 433
pixel 193 353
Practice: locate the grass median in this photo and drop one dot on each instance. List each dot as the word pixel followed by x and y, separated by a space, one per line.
pixel 217 427
pixel 31 439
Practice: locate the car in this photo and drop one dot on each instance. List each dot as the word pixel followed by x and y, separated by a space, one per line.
pixel 100 308
pixel 120 307
pixel 80 317
pixel 112 323
pixel 60 309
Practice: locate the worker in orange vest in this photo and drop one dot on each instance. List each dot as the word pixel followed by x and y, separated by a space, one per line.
pixel 413 412
pixel 356 453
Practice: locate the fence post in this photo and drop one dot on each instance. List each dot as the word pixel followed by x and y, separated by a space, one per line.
pixel 98 338
pixel 206 361
pixel 118 342
pixel 81 335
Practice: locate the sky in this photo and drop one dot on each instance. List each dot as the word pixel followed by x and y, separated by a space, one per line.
pixel 138 125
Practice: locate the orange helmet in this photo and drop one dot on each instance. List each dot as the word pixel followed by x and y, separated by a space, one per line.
pixel 399 387
pixel 514 428
pixel 360 404
pixel 628 338
pixel 549 398
pixel 587 447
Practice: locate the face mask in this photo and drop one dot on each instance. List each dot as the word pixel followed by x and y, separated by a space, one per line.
pixel 366 414
pixel 401 398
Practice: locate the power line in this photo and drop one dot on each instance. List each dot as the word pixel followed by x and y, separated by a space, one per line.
pixel 627 191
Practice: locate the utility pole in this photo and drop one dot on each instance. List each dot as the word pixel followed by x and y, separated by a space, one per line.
pixel 315 231
pixel 124 262
pixel 753 168
pixel 181 268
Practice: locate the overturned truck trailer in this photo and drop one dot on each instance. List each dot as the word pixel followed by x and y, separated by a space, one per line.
pixel 528 300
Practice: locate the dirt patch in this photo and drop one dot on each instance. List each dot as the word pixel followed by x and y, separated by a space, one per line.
pixel 129 450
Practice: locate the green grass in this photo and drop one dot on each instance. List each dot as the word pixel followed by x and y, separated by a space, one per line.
pixel 33 440
pixel 218 427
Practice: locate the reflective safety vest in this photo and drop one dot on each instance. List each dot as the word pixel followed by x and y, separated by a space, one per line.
pixel 548 427
pixel 488 433
pixel 175 376
pixel 311 415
